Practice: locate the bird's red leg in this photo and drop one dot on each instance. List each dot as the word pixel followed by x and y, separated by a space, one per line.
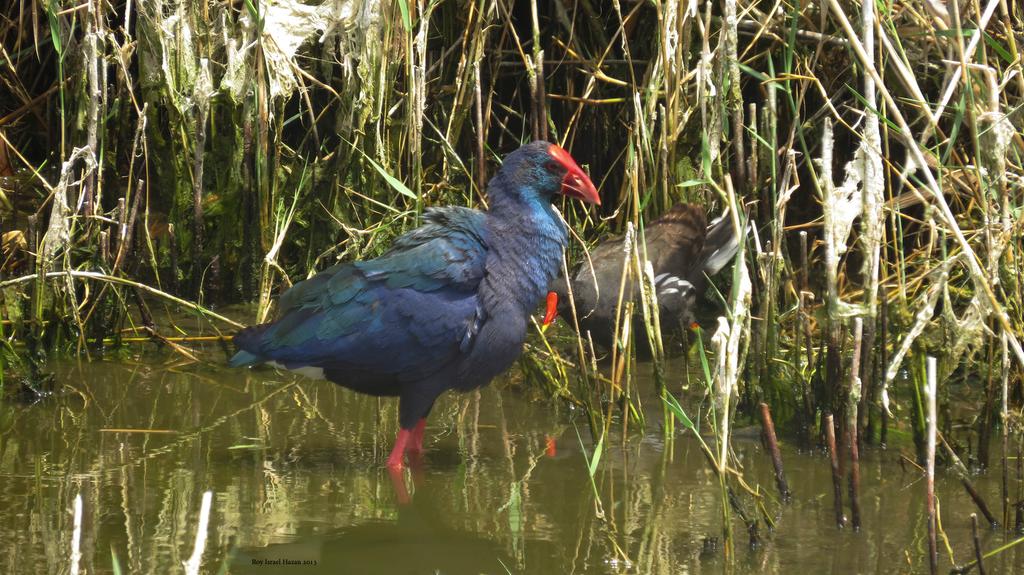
pixel 551 309
pixel 550 448
pixel 398 484
pixel 410 440
pixel 397 453
pixel 417 436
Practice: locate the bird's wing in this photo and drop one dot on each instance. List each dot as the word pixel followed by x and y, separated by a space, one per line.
pixel 675 240
pixel 406 313
pixel 448 251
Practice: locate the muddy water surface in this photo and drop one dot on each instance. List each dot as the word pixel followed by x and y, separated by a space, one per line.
pixel 294 469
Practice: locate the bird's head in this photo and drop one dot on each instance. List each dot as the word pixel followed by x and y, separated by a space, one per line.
pixel 544 169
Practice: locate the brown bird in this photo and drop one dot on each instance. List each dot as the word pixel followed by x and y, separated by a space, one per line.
pixel 683 250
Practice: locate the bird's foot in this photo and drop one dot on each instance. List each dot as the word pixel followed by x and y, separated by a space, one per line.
pixel 398 484
pixel 398 451
pixel 411 441
pixel 395 467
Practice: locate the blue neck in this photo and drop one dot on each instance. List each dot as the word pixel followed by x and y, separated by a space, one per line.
pixel 527 243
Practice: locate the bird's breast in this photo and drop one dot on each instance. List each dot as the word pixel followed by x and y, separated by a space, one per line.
pixel 523 272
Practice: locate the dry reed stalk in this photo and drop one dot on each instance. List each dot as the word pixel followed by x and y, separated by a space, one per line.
pixel 481 137
pixel 977 544
pixel 734 98
pixel 92 59
pixel 1005 421
pixel 931 392
pixel 873 216
pixel 773 450
pixel 978 275
pixel 729 342
pixel 853 399
pixel 837 481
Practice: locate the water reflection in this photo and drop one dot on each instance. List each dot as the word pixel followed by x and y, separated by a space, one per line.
pixel 296 472
pixel 418 540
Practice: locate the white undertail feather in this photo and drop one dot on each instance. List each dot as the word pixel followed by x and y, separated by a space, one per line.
pixel 668 284
pixel 306 370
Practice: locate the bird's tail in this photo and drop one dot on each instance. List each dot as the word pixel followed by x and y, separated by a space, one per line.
pixel 244 359
pixel 248 340
pixel 720 245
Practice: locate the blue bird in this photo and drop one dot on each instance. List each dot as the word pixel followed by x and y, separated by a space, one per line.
pixel 446 307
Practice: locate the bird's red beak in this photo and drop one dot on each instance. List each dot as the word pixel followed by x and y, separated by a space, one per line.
pixel 576 183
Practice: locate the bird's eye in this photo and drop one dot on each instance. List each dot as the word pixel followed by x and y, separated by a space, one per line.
pixel 553 167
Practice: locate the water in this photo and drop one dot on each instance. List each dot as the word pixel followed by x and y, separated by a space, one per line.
pixel 295 471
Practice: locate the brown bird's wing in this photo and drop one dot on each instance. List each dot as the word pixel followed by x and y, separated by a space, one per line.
pixel 675 240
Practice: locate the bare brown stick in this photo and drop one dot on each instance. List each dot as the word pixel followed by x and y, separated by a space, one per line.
pixel 752 160
pixel 854 479
pixel 1004 420
pixel 986 419
pixel 837 482
pixel 977 543
pixel 807 415
pixel 478 107
pixel 805 319
pixel 803 261
pixel 1019 505
pixel 757 27
pixel 127 231
pixel 92 65
pixel 773 448
pixel 105 248
pixel 930 393
pixel 854 394
pixel 867 374
pixel 979 502
pixel 541 98
pixel 149 326
pixel 965 478
pixel 833 377
pixel 126 220
pixel 905 459
pixel 535 74
pixel 32 245
pixel 36 267
pixel 883 358
pixel 176 339
pixel 121 217
pixel 33 104
pixel 734 97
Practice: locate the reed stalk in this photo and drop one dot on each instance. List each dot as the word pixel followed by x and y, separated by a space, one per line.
pixel 828 422
pixel 853 400
pixel 931 392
